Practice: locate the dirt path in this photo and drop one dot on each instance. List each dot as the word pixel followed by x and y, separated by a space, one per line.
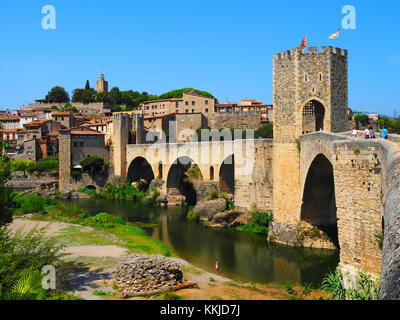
pixel 94 265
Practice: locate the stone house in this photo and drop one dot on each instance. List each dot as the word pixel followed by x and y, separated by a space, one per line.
pixel 66 119
pixel 158 126
pixel 10 122
pixel 191 102
pixel 187 124
pixel 86 142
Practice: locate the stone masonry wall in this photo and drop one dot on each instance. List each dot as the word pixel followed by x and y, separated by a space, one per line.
pixel 220 120
pixel 64 159
pixel 257 188
pixel 359 191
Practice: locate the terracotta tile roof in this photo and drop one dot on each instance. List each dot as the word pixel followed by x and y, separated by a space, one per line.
pixel 161 100
pixel 36 122
pixel 162 115
pixel 9 118
pixel 28 115
pixel 77 132
pixel 61 114
pixel 11 130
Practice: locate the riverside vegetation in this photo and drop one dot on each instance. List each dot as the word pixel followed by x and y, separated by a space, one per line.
pixel 124 192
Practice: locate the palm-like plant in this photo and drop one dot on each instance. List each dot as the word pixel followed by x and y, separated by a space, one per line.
pixel 28 287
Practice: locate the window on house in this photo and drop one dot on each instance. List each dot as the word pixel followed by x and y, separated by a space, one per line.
pixel 176 104
pixel 62 118
pixel 206 102
pixel 193 103
pixel 75 144
pixel 193 110
pixel 305 77
pixel 320 77
pixel 206 109
pixel 186 111
pixel 81 144
pixel 186 103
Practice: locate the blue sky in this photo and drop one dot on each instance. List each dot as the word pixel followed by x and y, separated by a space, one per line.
pixel 224 47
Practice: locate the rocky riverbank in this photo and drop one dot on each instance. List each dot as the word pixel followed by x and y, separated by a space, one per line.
pixel 216 214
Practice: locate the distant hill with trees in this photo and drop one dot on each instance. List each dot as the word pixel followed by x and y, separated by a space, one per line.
pixel 115 97
pixel 179 93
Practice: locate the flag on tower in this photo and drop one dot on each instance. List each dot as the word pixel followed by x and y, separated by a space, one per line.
pixel 335 35
pixel 304 42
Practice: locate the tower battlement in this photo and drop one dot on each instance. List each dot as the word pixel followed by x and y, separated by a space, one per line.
pixel 325 50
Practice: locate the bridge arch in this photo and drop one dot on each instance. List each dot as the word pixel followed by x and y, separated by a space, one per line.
pixel 140 169
pixel 177 182
pixel 319 201
pixel 227 175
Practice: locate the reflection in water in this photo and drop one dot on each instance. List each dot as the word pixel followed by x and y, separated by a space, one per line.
pixel 242 255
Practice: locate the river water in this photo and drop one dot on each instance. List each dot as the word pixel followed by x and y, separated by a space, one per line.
pixel 242 255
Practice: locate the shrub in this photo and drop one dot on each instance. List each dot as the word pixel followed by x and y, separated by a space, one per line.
pixel 25 253
pixel 92 164
pixel 365 288
pixel 192 215
pixel 105 220
pixel 213 195
pixel 49 164
pixel 265 132
pixel 19 165
pixel 260 225
pixel 30 204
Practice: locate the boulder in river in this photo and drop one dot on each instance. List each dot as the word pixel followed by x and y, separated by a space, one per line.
pixel 208 209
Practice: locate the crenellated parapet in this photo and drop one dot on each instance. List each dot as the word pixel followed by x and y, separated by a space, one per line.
pixel 325 50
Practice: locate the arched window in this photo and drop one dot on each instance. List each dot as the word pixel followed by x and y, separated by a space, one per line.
pixel 211 173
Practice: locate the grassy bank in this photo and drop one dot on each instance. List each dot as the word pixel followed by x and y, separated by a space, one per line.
pixel 108 226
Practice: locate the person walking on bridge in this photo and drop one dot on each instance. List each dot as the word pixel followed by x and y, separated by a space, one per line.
pixel 384 133
pixel 366 133
pixel 354 133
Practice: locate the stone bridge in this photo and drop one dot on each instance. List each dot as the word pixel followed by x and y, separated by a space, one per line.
pixel 240 167
pixel 345 184
pixel 359 181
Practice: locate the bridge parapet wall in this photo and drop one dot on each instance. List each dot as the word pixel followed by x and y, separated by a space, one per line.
pixel 359 189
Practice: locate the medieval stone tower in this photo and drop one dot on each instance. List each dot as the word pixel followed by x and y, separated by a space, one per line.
pixel 127 129
pixel 310 92
pixel 102 84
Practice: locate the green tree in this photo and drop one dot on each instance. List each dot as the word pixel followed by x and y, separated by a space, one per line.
pixel 5 192
pixel 77 95
pixel 265 132
pixel 178 94
pixel 103 97
pixel 115 96
pixel 87 86
pixel 92 164
pixel 88 96
pixel 57 94
pixel 362 118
